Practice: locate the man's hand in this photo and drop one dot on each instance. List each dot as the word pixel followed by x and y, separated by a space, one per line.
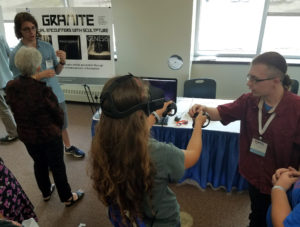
pixel 195 109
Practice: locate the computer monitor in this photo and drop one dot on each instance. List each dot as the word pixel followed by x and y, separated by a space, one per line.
pixel 168 85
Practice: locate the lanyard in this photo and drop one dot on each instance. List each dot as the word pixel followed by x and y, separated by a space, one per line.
pixel 261 129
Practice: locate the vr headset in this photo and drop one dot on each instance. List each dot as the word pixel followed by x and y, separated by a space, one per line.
pixel 155 101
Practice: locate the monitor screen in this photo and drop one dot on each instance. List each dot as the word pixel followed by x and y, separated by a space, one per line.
pixel 168 85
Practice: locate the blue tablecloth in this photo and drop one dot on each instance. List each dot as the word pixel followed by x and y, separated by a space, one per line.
pixel 218 164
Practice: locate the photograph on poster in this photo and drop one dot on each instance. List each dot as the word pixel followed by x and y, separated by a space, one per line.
pixel 46 38
pixel 71 45
pixel 98 47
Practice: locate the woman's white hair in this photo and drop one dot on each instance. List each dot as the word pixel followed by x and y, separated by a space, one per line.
pixel 27 60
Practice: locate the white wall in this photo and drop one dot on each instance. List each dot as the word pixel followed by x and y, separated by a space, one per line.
pixel 148 32
pixel 231 78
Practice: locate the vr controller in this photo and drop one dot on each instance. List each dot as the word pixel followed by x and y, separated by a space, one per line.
pixel 169 109
pixel 206 122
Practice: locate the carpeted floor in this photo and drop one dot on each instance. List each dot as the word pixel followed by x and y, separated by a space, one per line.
pixel 199 207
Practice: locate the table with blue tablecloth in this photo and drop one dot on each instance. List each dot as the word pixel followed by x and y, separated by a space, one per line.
pixel 218 163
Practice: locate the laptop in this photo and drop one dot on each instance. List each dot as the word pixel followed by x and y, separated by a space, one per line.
pixel 169 86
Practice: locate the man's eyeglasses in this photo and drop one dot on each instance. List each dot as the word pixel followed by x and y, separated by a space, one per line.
pixel 255 80
pixel 27 29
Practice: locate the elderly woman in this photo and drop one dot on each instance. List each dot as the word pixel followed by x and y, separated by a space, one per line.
pixel 39 124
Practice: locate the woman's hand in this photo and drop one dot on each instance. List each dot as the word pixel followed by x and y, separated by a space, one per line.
pixel 162 110
pixel 200 120
pixel 277 174
pixel 287 179
pixel 280 171
pixel 62 56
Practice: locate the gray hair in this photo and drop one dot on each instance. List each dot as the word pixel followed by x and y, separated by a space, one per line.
pixel 27 60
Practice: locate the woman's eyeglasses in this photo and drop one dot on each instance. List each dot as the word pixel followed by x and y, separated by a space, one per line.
pixel 28 29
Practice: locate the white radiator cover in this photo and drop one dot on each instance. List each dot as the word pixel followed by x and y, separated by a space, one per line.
pixel 76 92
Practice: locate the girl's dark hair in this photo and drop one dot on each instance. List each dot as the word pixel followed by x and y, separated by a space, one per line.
pixel 121 167
pixel 276 61
pixel 22 17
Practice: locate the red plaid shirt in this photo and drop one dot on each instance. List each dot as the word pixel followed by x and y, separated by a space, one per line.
pixel 282 137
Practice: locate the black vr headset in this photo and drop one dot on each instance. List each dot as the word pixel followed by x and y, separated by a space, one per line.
pixel 155 101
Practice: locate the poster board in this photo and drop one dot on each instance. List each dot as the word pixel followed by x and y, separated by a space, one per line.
pixel 85 34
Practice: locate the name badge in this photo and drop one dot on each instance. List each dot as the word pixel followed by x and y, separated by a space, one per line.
pixel 49 64
pixel 258 147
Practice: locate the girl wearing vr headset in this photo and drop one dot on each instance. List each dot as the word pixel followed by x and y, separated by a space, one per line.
pixel 130 170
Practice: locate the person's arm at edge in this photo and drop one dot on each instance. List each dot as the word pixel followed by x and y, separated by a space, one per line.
pixel 280 204
pixel 280 207
pixel 13 222
pixel 12 65
pixel 7 49
pixel 194 148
